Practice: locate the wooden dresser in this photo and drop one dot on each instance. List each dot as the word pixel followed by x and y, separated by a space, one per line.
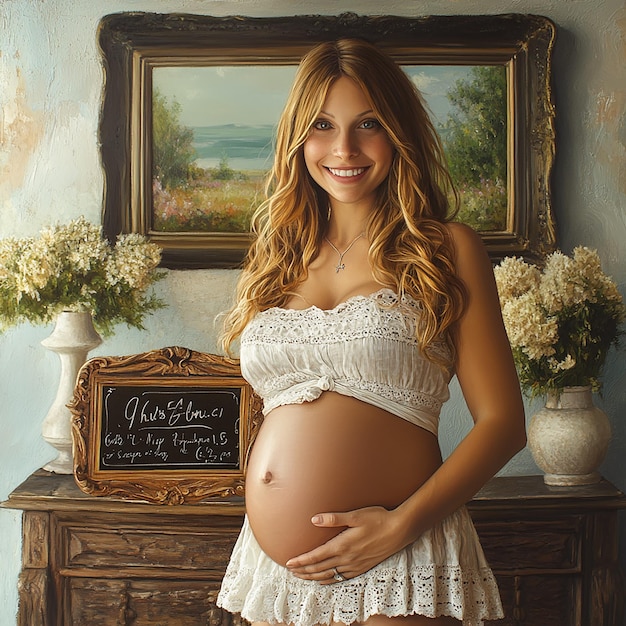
pixel 94 561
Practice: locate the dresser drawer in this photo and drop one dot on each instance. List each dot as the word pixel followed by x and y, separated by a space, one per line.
pixel 533 545
pixel 540 601
pixel 176 546
pixel 101 602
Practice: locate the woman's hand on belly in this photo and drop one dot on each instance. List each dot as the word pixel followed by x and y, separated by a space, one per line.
pixel 334 454
pixel 370 536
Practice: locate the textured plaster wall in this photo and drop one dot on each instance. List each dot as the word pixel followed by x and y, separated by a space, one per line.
pixel 50 88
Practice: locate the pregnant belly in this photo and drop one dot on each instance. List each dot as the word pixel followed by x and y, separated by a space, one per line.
pixel 334 454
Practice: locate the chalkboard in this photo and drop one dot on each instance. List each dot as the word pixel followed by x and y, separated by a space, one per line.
pixel 180 428
pixel 167 426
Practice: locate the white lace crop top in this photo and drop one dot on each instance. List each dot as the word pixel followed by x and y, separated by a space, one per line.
pixel 364 348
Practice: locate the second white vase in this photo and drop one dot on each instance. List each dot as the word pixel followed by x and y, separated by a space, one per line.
pixel 569 438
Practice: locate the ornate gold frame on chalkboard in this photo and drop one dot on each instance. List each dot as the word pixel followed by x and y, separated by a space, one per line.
pixel 135 45
pixel 169 370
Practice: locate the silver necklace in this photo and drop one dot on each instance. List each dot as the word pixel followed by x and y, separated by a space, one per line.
pixel 340 264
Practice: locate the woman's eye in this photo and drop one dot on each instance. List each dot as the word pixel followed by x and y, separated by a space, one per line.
pixel 322 125
pixel 370 124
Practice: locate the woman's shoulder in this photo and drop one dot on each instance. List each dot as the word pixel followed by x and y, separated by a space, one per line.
pixel 464 237
pixel 471 260
pixel 467 244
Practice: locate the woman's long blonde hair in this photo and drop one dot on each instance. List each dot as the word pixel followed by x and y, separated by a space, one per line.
pixel 410 248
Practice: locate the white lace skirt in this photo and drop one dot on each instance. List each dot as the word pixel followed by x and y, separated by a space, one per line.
pixel 443 573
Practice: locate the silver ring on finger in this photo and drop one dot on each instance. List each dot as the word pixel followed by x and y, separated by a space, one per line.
pixel 338 576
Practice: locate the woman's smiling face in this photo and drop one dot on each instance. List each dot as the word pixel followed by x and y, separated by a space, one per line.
pixel 348 152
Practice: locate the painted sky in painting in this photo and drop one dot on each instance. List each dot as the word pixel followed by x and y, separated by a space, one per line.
pixel 253 95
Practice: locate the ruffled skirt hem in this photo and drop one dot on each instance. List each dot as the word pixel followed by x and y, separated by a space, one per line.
pixel 444 573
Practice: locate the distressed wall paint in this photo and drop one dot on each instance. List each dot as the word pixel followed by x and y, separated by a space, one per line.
pixel 610 120
pixel 21 129
pixel 612 125
pixel 51 82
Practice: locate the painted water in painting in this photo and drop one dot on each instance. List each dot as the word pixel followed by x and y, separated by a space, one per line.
pixel 213 129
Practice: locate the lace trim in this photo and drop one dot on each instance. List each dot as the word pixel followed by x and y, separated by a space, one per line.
pixel 378 316
pixel 381 315
pixel 435 591
pixel 295 387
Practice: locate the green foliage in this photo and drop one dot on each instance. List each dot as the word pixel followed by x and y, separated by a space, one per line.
pixel 173 154
pixel 223 171
pixel 475 132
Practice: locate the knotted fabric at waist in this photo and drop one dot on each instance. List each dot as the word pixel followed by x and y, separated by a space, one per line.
pixel 418 408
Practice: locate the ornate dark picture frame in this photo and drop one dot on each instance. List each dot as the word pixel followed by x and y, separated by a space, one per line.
pixel 133 44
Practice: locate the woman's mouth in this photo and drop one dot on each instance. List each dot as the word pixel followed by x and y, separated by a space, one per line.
pixel 347 173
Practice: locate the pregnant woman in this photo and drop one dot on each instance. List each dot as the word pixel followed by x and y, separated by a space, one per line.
pixel 360 299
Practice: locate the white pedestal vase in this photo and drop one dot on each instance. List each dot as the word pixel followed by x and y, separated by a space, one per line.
pixel 569 438
pixel 72 338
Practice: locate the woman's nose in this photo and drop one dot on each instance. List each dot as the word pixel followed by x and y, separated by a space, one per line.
pixel 346 146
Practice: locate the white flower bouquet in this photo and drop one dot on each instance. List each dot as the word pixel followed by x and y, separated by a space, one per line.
pixel 561 321
pixel 74 268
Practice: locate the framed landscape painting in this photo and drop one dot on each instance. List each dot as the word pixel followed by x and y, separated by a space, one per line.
pixel 191 103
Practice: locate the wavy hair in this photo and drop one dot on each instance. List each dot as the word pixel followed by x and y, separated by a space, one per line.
pixel 410 246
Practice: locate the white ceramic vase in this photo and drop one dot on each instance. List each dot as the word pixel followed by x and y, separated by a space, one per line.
pixel 569 438
pixel 72 338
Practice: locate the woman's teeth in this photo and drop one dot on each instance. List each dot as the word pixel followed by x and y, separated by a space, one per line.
pixel 346 173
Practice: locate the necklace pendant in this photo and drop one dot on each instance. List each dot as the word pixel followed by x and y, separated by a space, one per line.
pixel 340 264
